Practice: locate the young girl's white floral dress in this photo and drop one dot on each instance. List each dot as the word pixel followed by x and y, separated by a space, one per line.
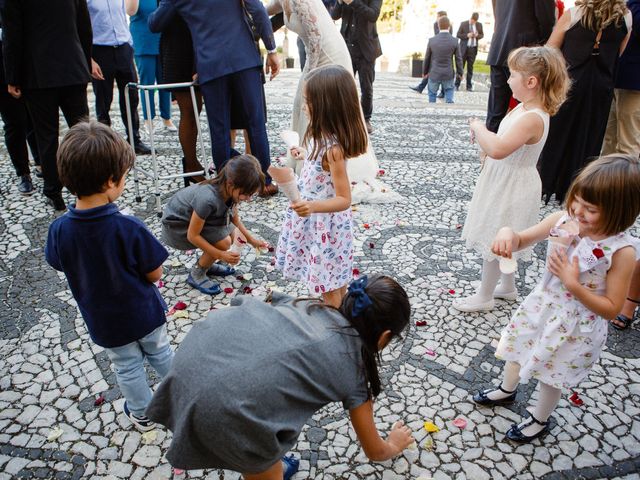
pixel 552 335
pixel 317 249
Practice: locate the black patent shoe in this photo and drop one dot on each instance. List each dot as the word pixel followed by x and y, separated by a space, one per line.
pixel 481 397
pixel 515 432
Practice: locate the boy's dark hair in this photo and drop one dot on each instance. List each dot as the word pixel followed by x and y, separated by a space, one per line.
pixel 475 16
pixel 444 23
pixel 90 155
pixel 242 172
pixel 611 183
pixel 334 111
pixel 390 310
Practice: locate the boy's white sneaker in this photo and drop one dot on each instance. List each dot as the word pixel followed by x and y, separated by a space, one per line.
pixel 142 424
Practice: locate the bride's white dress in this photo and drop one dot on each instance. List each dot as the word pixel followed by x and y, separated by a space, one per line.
pixel 324 45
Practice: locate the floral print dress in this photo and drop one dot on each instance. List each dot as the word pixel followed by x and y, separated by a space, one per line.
pixel 317 249
pixel 553 336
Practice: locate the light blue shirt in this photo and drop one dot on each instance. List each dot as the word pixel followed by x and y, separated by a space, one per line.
pixel 109 22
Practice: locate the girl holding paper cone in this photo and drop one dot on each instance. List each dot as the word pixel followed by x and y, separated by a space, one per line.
pixel 316 243
pixel 205 216
pixel 556 336
pixel 508 190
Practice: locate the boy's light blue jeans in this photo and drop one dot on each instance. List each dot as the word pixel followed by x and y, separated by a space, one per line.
pixel 447 87
pixel 130 373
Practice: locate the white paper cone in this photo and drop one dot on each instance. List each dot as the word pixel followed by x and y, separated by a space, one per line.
pixel 508 265
pixel 290 189
pixel 290 138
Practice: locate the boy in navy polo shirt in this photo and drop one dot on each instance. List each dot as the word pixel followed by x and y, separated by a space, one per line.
pixel 111 262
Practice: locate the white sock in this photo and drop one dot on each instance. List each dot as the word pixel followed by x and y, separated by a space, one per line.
pixel 510 380
pixel 548 398
pixel 490 277
pixel 507 283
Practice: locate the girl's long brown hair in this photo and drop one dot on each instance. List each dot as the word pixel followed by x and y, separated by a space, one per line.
pixel 334 111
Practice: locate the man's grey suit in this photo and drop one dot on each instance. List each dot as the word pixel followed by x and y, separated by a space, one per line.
pixel 438 62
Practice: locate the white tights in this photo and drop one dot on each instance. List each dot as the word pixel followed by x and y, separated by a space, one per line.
pixel 490 276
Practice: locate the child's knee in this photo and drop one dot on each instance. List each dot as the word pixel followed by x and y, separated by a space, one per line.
pixel 224 244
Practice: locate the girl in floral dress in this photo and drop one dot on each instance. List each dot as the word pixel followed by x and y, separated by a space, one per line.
pixel 316 241
pixel 557 334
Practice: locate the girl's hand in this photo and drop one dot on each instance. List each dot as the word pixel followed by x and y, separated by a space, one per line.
pixel 297 153
pixel 475 125
pixel 256 243
pixel 400 437
pixel 504 243
pixel 229 257
pixel 568 272
pixel 303 208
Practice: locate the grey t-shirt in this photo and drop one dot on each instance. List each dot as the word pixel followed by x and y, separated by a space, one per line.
pixel 202 198
pixel 245 380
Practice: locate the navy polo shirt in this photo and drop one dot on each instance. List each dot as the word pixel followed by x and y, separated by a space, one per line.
pixel 105 256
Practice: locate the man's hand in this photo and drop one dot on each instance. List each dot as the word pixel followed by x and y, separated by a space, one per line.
pixel 273 65
pixel 14 91
pixel 96 71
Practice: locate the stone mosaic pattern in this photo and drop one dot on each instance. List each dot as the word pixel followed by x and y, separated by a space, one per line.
pixel 51 373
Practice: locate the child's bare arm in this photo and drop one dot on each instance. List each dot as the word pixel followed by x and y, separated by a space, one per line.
pixel 618 280
pixel 155 275
pixel 253 241
pixel 527 130
pixel 375 448
pixel 507 241
pixel 196 224
pixel 340 180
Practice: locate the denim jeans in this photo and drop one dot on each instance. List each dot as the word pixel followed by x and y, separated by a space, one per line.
pixel 447 87
pixel 130 373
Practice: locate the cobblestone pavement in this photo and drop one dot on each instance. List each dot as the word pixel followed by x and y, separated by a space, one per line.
pixel 51 373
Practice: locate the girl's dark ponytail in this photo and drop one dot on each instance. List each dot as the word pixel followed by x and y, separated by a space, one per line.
pixel 373 306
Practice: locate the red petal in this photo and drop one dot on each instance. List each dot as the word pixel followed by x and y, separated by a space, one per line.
pixel 228 290
pixel 247 289
pixel 271 249
pixel 273 260
pixel 240 277
pixel 371 245
pixel 452 291
pixel 180 306
pixel 355 271
pixel 380 172
pixel 240 240
pixel 160 284
pixel 99 401
pixel 421 323
pixel 365 225
pixel 458 226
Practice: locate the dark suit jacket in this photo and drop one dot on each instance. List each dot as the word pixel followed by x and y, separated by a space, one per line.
pixel 628 75
pixel 519 23
pixel 463 31
pixel 438 60
pixel 364 14
pixel 46 44
pixel 436 28
pixel 222 39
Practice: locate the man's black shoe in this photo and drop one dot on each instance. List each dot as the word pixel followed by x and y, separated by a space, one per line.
pixel 56 202
pixel 25 187
pixel 142 149
pixel 416 89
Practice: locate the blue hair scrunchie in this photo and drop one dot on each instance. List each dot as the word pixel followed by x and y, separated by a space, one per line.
pixel 360 298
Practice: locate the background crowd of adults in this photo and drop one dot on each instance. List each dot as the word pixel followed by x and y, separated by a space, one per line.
pixel 48 69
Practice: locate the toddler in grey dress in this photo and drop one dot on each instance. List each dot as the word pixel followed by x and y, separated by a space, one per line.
pixel 205 217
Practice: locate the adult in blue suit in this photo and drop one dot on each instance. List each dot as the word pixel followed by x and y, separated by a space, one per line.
pixel 228 65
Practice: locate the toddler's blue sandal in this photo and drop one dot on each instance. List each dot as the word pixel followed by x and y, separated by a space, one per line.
pixel 206 286
pixel 219 270
pixel 291 465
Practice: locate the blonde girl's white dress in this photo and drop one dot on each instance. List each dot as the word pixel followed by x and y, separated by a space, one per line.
pixel 324 45
pixel 553 336
pixel 508 191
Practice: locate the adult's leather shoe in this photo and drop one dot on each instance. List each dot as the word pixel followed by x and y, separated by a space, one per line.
pixel 268 190
pixel 56 202
pixel 142 149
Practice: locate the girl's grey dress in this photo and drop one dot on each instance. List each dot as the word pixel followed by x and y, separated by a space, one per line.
pixel 206 201
pixel 246 379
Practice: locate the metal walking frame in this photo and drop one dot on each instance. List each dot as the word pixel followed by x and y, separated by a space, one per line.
pixel 153 174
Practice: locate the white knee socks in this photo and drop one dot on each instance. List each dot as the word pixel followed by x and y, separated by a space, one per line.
pixel 490 277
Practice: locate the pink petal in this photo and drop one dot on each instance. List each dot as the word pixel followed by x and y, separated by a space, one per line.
pixel 99 400
pixel 178 471
pixel 460 423
pixel 430 352
pixel 160 284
